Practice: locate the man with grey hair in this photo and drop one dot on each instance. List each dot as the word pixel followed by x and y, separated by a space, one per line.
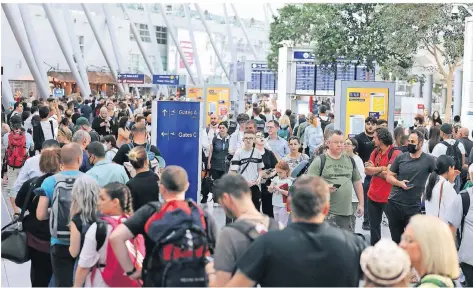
pixel 82 138
pixel 306 243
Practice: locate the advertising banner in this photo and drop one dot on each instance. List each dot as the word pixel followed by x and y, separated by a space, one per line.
pixel 218 101
pixel 178 139
pixel 364 102
pixel 195 93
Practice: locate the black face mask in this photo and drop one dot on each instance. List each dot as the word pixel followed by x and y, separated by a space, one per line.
pixel 412 148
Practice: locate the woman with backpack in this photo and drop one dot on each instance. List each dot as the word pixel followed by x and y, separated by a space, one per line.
pixel 114 204
pixel 111 147
pixel 83 211
pixel 37 231
pixel 285 130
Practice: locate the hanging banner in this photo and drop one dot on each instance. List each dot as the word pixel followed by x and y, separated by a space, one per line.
pixel 364 102
pixel 178 138
pixel 218 101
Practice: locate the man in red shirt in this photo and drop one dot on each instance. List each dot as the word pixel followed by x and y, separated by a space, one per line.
pixel 381 158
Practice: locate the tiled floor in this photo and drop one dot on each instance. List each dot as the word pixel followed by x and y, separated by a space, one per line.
pixel 14 275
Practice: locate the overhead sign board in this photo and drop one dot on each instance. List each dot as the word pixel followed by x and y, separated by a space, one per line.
pixel 263 79
pixel 131 78
pixel 172 80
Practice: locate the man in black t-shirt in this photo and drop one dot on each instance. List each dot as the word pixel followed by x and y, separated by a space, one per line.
pixel 287 257
pixel 365 147
pixel 173 186
pixel 139 139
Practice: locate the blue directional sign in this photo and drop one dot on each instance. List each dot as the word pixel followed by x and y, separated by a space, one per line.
pixel 172 80
pixel 178 135
pixel 131 78
pixel 58 92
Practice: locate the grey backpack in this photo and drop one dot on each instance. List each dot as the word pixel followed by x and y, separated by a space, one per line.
pixel 61 206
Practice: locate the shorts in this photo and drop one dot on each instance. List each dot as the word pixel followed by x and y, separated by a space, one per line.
pixel 12 174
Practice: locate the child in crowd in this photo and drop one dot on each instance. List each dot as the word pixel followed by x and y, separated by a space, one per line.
pixel 279 187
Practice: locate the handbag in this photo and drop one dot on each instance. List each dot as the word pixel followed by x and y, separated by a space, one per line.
pixel 14 238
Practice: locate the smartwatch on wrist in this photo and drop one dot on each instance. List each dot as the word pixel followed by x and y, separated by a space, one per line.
pixel 130 272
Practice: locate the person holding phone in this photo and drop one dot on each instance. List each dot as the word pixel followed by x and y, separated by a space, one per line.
pixel 407 175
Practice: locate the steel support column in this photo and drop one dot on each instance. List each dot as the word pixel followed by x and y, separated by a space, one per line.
pixel 176 42
pixel 428 85
pixel 242 25
pixel 457 96
pixel 76 49
pixel 209 33
pixel 22 43
pixel 31 36
pixel 237 91
pixel 111 66
pixel 113 38
pixel 65 49
pixel 194 47
pixel 154 44
pixel 7 93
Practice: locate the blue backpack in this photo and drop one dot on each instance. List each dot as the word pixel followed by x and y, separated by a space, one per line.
pixel 284 133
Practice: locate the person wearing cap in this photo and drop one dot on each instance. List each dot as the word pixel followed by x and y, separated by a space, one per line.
pixel 83 124
pixel 385 265
pixel 446 133
pixel 104 171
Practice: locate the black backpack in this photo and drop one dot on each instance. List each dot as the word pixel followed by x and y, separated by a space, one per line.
pixel 324 123
pixel 323 159
pixel 454 152
pixel 465 208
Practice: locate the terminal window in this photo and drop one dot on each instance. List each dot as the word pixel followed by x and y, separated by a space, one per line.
pixel 143 31
pixel 161 35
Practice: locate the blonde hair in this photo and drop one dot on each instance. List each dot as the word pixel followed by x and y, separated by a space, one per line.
pixel 437 246
pixel 312 117
pixel 284 120
pixel 138 157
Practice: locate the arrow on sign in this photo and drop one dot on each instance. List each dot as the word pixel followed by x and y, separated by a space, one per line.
pixel 173 134
pixel 164 134
pixel 164 112
pixel 173 111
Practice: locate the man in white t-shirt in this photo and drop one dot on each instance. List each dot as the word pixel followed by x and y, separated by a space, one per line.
pixel 446 132
pixel 49 125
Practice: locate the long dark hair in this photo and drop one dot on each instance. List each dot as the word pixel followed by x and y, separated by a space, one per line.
pixel 444 163
pixel 434 135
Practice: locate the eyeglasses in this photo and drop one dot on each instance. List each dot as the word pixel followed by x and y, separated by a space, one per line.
pixel 248 138
pixel 259 136
pixel 348 144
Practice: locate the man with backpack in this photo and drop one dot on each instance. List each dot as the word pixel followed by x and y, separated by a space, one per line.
pixel 175 232
pixel 323 118
pixel 56 193
pixel 233 193
pixel 17 144
pixel 342 175
pixel 140 138
pixel 378 166
pixel 453 148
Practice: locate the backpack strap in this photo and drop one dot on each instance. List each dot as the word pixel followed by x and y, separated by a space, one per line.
pixel 323 159
pixel 100 234
pixel 245 228
pixel 465 196
pixel 52 127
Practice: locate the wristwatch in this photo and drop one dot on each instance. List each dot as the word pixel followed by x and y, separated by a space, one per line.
pixel 130 272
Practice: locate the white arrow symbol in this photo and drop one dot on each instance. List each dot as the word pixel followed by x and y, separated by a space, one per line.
pixel 164 134
pixel 164 112
pixel 173 134
pixel 173 111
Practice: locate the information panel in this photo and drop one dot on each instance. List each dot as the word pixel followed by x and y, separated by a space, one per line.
pixel 178 135
pixel 218 101
pixel 172 80
pixel 364 102
pixel 263 80
pixel 131 78
pixel 305 78
pixel 195 93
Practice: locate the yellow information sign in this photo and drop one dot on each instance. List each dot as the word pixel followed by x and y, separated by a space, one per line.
pixel 195 93
pixel 364 102
pixel 218 102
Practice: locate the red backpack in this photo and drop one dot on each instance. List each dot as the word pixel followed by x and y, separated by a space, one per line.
pixel 112 272
pixel 16 151
pixel 178 259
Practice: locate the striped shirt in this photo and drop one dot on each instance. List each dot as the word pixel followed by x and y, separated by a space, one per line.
pixel 242 158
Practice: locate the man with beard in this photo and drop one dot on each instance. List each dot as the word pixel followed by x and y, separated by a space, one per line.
pixel 366 146
pixel 233 193
pixel 212 129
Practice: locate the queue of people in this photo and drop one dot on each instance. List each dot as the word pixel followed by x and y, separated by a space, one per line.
pixel 106 213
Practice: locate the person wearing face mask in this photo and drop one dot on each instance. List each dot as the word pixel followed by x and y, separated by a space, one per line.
pixel 408 175
pixel 365 147
pixel 104 171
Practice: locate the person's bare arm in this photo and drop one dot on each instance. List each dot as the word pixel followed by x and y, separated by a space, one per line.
pixel 42 209
pixel 118 240
pixel 359 194
pixel 81 275
pixel 391 179
pixel 240 280
pixel 74 247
